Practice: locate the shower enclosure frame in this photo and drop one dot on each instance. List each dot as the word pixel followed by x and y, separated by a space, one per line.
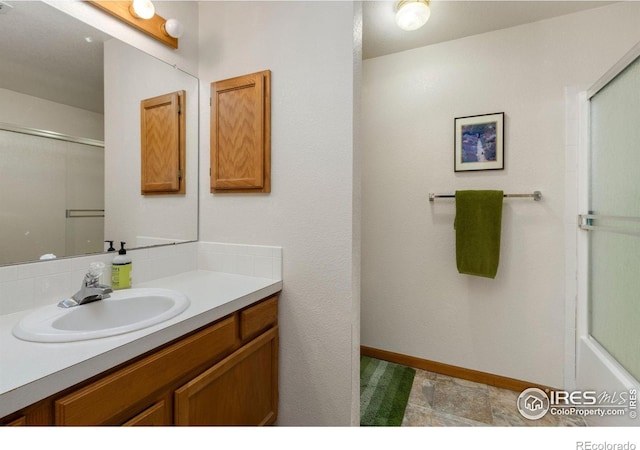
pixel 593 367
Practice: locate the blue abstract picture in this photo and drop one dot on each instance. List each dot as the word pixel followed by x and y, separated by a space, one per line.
pixel 479 142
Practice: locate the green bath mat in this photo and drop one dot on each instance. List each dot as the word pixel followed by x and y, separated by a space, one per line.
pixel 384 392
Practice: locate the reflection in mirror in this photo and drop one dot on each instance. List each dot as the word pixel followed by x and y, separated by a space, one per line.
pixel 130 77
pixel 56 179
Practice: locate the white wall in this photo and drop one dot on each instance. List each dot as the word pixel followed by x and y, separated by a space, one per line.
pixel 413 300
pixel 308 46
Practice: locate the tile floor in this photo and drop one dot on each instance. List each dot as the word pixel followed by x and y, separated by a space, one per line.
pixel 440 400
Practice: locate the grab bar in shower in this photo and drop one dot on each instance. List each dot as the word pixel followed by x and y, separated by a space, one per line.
pixel 537 196
pixel 586 222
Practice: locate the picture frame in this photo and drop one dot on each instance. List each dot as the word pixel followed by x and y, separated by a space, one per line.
pixel 479 142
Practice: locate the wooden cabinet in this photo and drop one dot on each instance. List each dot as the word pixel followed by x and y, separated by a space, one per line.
pixel 162 154
pixel 218 375
pixel 241 134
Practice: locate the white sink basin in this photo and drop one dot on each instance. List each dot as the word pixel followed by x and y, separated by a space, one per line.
pixel 124 311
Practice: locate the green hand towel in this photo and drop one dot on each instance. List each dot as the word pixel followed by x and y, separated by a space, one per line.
pixel 478 225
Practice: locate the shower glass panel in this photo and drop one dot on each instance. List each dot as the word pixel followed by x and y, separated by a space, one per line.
pixel 62 176
pixel 614 241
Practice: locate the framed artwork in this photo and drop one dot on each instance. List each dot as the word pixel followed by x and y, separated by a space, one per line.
pixel 479 142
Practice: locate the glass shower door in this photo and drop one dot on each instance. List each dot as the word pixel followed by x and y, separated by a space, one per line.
pixel 51 195
pixel 614 218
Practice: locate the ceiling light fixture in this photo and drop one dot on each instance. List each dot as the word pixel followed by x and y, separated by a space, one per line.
pixel 142 9
pixel 412 14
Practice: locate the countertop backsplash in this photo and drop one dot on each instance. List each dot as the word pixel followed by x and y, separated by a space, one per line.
pixel 27 286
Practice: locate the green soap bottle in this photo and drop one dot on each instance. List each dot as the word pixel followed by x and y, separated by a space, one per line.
pixel 121 269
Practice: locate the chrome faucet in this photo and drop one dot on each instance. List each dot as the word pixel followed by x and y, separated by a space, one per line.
pixel 91 289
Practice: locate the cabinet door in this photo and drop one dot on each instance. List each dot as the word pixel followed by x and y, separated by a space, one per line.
pixel 241 134
pixel 242 389
pixel 162 133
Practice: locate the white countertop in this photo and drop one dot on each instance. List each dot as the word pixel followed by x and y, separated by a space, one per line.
pixel 31 371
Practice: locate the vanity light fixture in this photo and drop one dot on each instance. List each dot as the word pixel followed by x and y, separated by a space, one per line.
pixel 141 14
pixel 412 14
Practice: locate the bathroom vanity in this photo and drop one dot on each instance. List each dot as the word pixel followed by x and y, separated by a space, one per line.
pixel 214 364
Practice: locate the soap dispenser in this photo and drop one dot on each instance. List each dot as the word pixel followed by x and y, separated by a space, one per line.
pixel 110 249
pixel 121 269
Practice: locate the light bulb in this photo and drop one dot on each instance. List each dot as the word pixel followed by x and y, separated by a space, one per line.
pixel 173 28
pixel 142 9
pixel 412 15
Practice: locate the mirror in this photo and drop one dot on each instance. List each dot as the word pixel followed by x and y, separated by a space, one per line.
pixel 70 165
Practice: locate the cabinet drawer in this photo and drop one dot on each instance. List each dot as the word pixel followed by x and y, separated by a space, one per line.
pixel 255 319
pixel 101 402
pixel 154 415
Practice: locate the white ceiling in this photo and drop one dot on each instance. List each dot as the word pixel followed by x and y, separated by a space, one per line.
pixel 454 19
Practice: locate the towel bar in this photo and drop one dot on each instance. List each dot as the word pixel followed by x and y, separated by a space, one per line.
pixel 537 196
